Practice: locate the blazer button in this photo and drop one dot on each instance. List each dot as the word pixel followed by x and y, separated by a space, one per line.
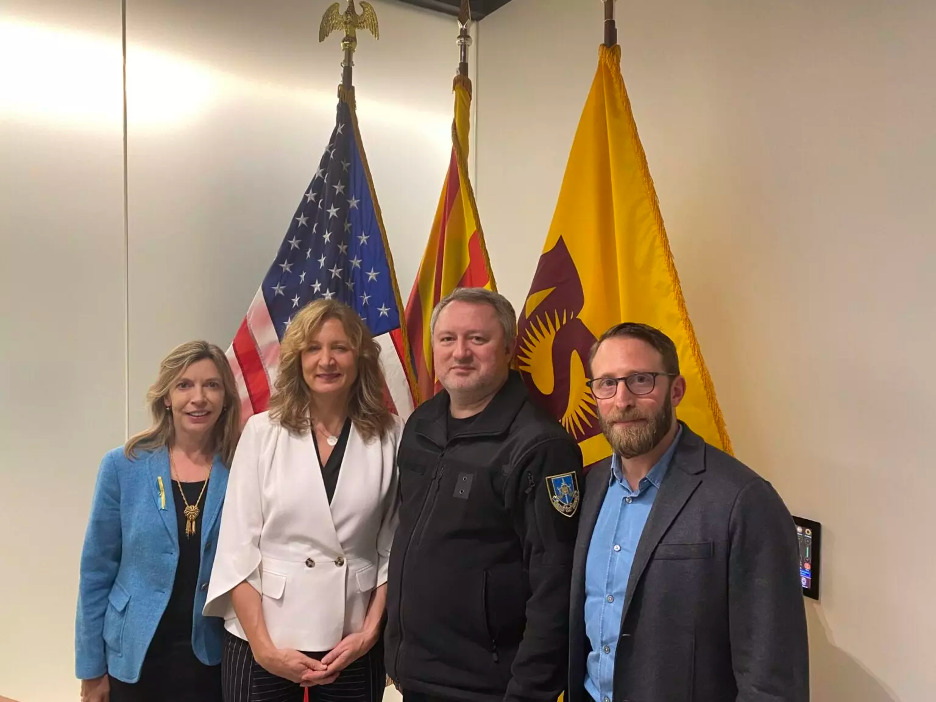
pixel 207 545
pixel 310 563
pixel 339 561
pixel 204 587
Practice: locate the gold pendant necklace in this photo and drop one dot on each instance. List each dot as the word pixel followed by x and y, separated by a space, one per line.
pixel 190 512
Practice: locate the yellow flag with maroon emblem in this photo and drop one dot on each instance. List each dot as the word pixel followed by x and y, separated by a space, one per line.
pixel 606 260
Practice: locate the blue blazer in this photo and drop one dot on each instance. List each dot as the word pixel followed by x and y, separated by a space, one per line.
pixel 128 565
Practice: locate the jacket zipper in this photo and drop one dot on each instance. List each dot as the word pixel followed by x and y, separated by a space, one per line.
pixel 429 504
pixel 433 488
pixel 487 625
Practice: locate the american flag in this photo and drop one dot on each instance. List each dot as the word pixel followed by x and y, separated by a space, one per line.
pixel 335 248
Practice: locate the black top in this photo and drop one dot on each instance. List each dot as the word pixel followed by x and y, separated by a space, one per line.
pixel 454 427
pixel 332 467
pixel 176 622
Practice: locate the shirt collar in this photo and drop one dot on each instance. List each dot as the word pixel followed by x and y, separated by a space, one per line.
pixel 656 474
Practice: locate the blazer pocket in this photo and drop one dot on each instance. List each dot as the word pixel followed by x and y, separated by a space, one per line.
pixel 706 549
pixel 118 597
pixel 272 584
pixel 366 578
pixel 115 618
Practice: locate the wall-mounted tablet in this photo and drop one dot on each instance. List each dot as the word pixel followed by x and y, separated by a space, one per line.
pixel 809 536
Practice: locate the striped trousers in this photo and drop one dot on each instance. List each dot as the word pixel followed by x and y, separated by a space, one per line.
pixel 244 680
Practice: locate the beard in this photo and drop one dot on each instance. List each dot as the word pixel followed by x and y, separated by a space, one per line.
pixel 633 441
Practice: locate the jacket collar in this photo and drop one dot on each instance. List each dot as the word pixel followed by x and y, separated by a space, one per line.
pixel 493 420
pixel 214 496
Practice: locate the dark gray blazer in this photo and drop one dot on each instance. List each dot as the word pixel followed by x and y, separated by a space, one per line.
pixel 714 608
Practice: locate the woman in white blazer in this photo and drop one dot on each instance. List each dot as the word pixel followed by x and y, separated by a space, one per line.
pixel 311 507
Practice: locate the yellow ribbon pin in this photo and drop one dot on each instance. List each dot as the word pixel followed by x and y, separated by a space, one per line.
pixel 162 492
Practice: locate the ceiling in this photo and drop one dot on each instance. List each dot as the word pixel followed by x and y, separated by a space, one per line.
pixel 479 8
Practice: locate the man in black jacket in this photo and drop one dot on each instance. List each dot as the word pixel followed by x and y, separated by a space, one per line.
pixel 477 604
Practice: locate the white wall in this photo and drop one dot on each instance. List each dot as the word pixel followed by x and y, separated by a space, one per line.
pixel 793 151
pixel 230 106
pixel 62 366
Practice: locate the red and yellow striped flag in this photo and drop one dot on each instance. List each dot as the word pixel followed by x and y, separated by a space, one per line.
pixel 606 260
pixel 455 256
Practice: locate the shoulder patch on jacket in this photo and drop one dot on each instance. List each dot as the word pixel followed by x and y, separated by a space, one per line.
pixel 564 493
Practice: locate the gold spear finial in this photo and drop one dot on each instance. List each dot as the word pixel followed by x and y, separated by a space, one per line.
pixel 349 22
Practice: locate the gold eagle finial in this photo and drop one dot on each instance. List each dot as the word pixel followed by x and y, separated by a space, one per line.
pixel 349 21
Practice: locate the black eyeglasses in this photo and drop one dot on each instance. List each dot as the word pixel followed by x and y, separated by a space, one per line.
pixel 637 383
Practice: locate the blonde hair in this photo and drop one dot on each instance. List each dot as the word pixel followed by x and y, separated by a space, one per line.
pixel 226 431
pixel 291 401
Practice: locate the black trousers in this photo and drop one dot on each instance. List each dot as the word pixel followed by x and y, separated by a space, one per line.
pixel 173 674
pixel 245 680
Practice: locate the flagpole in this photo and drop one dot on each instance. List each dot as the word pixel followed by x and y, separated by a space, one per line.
pixel 348 43
pixel 464 38
pixel 610 28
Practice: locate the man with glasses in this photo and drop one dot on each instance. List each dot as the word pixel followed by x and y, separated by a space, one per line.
pixel 685 581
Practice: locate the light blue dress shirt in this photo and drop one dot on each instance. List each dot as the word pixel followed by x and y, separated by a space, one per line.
pixel 621 521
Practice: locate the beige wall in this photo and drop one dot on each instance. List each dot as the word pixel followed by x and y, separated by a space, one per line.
pixel 793 150
pixel 229 109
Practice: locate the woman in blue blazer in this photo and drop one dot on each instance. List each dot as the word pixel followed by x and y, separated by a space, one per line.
pixel 147 557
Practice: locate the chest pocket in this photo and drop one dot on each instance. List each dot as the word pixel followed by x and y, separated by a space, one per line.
pixel 665 552
pixel 415 471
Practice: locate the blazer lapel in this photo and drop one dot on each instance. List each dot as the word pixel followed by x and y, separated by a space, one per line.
pixel 214 498
pixel 162 485
pixel 682 479
pixel 596 487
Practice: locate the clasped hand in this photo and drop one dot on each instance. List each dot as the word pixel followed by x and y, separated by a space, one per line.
pixel 348 650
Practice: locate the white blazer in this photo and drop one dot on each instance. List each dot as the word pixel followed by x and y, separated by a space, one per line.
pixel 315 565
